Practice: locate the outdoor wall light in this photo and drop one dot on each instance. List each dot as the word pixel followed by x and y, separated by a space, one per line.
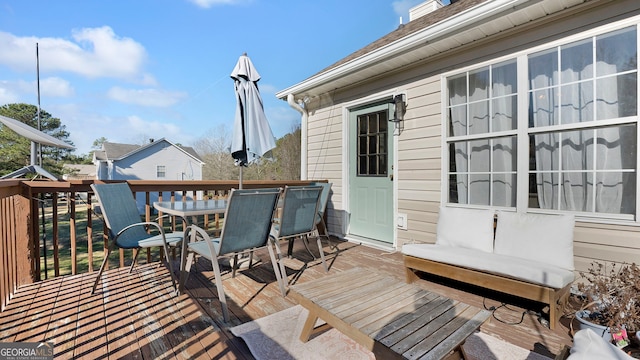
pixel 400 107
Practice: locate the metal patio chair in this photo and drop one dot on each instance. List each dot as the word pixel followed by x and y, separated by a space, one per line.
pixel 247 222
pixel 125 230
pixel 298 220
pixel 322 208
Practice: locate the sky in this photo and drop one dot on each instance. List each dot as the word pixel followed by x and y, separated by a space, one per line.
pixel 134 70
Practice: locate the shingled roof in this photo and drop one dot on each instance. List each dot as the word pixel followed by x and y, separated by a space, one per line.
pixel 115 151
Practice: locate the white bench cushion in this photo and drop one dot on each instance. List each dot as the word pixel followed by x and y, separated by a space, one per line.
pixel 538 237
pixel 523 269
pixel 467 228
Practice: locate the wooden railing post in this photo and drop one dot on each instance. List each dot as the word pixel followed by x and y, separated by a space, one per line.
pixel 26 239
pixel 16 257
pixel 89 234
pixel 56 237
pixel 72 234
pixel 34 237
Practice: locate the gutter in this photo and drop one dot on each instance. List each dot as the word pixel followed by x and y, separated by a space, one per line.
pixel 303 135
pixel 446 28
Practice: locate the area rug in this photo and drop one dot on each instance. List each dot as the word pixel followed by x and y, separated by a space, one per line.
pixel 277 337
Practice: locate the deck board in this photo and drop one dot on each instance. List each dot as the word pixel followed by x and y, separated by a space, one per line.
pixel 137 315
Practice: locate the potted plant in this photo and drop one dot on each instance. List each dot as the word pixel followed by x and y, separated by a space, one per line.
pixel 610 300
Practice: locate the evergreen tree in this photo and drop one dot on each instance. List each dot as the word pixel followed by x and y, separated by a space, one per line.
pixel 15 150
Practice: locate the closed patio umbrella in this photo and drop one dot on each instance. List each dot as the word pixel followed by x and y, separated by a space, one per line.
pixel 252 136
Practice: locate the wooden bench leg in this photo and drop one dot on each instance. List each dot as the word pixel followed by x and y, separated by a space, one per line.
pixel 410 275
pixel 557 307
pixel 553 315
pixel 309 326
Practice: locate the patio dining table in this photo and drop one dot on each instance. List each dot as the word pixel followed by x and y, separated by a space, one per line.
pixel 189 209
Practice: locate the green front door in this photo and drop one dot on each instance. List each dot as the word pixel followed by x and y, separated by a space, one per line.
pixel 371 174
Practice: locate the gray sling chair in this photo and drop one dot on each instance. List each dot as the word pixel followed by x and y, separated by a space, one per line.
pixel 322 208
pixel 247 222
pixel 126 231
pixel 298 219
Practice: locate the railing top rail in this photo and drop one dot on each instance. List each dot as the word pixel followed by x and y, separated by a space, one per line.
pixel 13 186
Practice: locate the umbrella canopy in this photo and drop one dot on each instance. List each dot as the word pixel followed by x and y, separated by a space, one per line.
pixel 252 136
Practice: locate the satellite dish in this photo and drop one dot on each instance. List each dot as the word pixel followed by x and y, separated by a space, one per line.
pixel 36 137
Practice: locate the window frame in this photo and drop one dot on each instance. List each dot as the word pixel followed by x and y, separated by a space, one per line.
pixel 523 131
pixel 163 172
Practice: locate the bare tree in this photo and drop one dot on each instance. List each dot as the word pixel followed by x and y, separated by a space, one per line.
pixel 213 147
pixel 219 165
pixel 288 155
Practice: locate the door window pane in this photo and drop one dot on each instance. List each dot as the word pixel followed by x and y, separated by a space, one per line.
pixel 372 144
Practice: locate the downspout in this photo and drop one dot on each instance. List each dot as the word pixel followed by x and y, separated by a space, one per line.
pixel 303 135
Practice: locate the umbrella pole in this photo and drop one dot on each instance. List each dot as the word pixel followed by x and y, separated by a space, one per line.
pixel 240 181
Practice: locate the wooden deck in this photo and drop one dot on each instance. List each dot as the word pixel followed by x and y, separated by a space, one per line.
pixel 137 316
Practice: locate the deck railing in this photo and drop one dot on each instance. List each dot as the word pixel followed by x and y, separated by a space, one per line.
pixel 49 228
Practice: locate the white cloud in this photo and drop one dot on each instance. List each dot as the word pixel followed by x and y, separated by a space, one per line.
pixel 146 97
pixel 6 95
pixel 137 128
pixel 56 87
pixel 85 128
pixel 95 53
pixel 141 126
pixel 49 87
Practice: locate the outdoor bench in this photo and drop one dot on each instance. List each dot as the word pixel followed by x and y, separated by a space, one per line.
pixel 526 255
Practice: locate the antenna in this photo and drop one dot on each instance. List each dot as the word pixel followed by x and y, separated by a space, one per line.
pixel 39 149
pixel 37 137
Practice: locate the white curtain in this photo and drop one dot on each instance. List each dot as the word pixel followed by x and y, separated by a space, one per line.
pixel 458 127
pixel 476 162
pixel 577 159
pixel 504 110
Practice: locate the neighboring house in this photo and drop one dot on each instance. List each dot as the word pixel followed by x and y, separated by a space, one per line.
pixel 78 172
pixel 528 106
pixel 157 160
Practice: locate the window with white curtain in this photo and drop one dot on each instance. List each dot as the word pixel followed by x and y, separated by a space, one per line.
pixel 581 130
pixel 481 132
